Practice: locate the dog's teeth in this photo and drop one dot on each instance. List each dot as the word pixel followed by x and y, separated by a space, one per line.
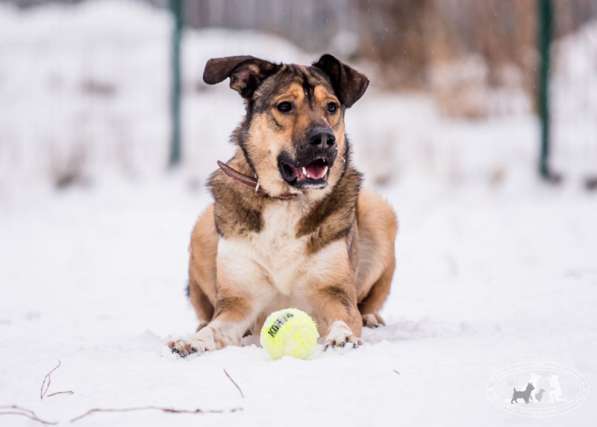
pixel 325 171
pixel 304 170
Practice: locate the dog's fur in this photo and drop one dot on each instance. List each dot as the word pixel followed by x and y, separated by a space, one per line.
pixel 524 394
pixel 328 250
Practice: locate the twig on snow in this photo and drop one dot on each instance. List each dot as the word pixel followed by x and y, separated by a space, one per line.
pixel 56 393
pixel 23 412
pixel 45 384
pixel 156 408
pixel 47 381
pixel 235 384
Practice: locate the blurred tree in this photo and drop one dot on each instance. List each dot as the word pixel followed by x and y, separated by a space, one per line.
pixel 399 35
pixel 406 37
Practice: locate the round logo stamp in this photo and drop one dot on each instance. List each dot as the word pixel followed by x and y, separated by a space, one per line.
pixel 537 389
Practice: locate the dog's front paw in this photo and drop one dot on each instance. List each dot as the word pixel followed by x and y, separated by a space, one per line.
pixel 200 342
pixel 373 320
pixel 181 347
pixel 340 335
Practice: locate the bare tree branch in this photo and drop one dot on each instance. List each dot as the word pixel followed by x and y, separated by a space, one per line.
pixel 235 384
pixel 156 408
pixel 23 412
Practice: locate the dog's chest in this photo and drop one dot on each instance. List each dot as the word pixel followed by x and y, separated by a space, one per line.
pixel 276 247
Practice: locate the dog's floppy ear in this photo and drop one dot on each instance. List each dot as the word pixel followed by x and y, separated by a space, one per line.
pixel 246 72
pixel 347 82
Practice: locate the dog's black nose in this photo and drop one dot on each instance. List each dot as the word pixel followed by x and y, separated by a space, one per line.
pixel 323 137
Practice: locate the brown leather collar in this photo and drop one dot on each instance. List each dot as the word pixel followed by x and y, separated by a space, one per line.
pixel 251 182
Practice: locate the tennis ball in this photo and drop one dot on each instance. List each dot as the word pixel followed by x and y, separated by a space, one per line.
pixel 289 332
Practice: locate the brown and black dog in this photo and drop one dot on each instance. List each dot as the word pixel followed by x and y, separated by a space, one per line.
pixel 289 226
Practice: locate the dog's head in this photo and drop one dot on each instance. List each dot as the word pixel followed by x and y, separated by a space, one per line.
pixel 293 134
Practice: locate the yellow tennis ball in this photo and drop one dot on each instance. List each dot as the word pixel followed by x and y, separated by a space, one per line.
pixel 289 332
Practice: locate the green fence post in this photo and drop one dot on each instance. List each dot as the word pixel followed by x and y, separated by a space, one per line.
pixel 175 83
pixel 544 37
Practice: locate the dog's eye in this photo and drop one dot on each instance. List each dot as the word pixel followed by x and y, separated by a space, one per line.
pixel 284 107
pixel 332 107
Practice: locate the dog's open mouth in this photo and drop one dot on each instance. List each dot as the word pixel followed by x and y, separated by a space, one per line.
pixel 312 174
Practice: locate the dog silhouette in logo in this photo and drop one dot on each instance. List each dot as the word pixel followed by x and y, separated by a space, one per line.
pixel 524 394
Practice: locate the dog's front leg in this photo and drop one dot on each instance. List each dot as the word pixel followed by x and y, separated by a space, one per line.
pixel 242 293
pixel 332 295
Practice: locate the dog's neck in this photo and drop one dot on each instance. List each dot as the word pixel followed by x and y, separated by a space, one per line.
pixel 239 210
pixel 252 182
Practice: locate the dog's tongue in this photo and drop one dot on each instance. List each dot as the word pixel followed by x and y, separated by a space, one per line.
pixel 315 170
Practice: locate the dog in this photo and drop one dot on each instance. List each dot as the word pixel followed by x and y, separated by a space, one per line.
pixel 290 225
pixel 525 394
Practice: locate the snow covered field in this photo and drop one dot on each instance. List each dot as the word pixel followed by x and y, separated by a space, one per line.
pixel 494 269
pixel 485 280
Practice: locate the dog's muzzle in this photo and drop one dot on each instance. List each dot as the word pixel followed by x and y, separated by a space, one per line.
pixel 314 159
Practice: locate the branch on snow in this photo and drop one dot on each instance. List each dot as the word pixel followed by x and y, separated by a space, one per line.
pixel 23 412
pixel 156 408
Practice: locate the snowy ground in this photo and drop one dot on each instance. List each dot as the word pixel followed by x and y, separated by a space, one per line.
pixel 494 269
pixel 485 280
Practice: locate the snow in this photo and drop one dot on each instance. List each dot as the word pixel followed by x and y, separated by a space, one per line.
pixel 493 267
